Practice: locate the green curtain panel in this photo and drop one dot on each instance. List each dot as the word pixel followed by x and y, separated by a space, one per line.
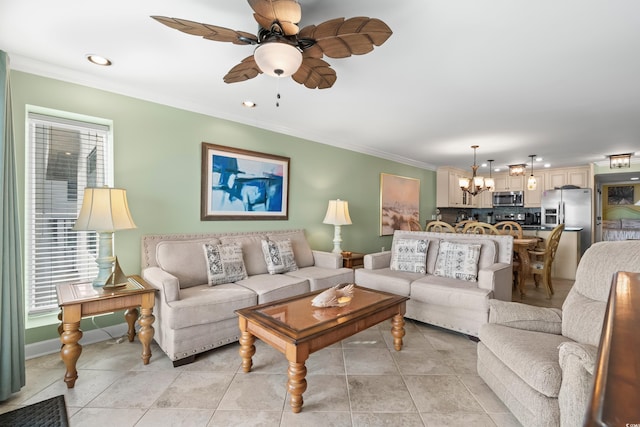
pixel 12 369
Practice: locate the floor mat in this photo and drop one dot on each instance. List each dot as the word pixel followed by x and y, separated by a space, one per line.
pixel 48 413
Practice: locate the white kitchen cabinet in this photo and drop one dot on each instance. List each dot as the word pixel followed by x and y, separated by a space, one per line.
pixel 578 176
pixel 505 182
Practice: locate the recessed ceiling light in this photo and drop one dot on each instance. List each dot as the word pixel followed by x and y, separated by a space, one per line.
pixel 547 165
pixel 98 60
pixel 249 104
pixel 538 159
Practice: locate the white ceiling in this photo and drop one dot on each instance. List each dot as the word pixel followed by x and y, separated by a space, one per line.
pixel 560 79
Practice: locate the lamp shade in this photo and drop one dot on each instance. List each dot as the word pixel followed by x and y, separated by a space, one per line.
pixel 104 209
pixel 337 213
pixel 277 59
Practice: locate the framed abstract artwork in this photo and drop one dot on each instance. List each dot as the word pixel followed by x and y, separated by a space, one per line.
pixel 240 184
pixel 399 203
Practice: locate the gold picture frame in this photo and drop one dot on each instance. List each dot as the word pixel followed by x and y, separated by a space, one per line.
pixel 399 203
pixel 239 184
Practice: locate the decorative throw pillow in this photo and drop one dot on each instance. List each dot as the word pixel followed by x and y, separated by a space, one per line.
pixel 409 255
pixel 278 254
pixel 458 261
pixel 224 263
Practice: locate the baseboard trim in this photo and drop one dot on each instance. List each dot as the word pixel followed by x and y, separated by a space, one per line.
pixel 51 346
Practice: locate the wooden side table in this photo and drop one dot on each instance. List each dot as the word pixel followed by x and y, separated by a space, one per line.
pixel 78 300
pixel 352 259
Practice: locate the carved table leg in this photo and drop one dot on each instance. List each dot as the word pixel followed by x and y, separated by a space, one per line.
pixel 247 350
pixel 296 385
pixel 397 330
pixel 146 333
pixel 131 315
pixel 71 349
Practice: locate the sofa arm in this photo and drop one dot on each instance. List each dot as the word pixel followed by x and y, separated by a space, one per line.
pixel 377 260
pixel 577 362
pixel 167 283
pixel 498 278
pixel 327 259
pixel 524 316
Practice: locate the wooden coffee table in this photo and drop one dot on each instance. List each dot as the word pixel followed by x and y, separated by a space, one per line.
pixel 296 328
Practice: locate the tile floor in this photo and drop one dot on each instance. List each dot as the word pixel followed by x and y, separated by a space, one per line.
pixel 361 381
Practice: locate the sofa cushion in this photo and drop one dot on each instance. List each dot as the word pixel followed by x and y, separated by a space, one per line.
pixel 251 251
pixel 224 263
pixel 301 249
pixel 278 254
pixel 323 278
pixel 184 260
pixel 272 287
pixel 449 292
pixel 201 305
pixel 533 356
pixel 409 255
pixel 387 280
pixel 458 260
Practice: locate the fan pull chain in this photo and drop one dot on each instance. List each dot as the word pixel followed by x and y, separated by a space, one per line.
pixel 278 72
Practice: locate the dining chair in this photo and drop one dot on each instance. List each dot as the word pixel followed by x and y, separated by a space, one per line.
pixel 439 227
pixel 414 225
pixel 459 226
pixel 542 259
pixel 509 227
pixel 478 227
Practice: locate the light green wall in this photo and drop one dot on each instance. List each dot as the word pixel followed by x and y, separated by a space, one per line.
pixel 157 159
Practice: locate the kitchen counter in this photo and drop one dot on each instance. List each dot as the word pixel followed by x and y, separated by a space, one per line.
pixel 542 227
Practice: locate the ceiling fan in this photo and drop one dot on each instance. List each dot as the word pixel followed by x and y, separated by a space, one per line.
pixel 285 50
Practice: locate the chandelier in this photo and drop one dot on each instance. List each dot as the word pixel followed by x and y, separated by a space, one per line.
pixel 476 184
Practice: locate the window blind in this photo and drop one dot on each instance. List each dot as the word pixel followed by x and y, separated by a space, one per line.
pixel 65 156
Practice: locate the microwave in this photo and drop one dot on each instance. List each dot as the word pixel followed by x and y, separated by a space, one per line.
pixel 508 198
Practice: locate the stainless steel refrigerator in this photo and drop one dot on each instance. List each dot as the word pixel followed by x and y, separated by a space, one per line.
pixel 571 207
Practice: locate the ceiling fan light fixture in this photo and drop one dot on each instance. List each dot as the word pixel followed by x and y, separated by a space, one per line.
pixel 278 59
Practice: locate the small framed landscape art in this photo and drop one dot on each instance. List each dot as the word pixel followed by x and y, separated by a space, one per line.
pixel 620 195
pixel 240 184
pixel 399 203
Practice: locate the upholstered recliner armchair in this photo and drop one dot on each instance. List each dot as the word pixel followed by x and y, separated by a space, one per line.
pixel 540 361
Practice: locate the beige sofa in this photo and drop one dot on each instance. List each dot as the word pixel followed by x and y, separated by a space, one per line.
pixel 540 361
pixel 450 302
pixel 192 316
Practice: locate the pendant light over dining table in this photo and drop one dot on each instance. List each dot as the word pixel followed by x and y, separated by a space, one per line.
pixel 532 183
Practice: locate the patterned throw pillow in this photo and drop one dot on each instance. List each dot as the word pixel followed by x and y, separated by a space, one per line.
pixel 458 261
pixel 278 254
pixel 224 263
pixel 409 255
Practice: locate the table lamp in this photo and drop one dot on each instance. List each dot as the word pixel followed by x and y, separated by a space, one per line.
pixel 104 210
pixel 337 215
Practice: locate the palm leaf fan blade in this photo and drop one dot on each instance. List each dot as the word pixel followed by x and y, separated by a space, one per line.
pixel 315 73
pixel 245 70
pixel 286 12
pixel 207 31
pixel 340 38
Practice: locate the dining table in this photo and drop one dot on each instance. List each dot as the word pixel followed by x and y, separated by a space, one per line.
pixel 521 247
